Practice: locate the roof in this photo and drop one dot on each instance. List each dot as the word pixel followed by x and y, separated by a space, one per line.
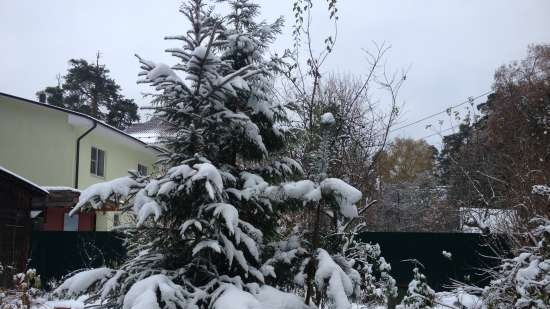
pixel 4 172
pixel 149 131
pixel 88 117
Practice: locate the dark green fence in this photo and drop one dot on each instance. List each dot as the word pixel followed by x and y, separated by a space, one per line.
pixel 55 254
pixel 470 253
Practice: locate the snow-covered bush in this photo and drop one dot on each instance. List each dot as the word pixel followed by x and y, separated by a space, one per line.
pixel 377 286
pixel 458 299
pixel 542 190
pixel 27 288
pixel 419 294
pixel 524 280
pixel 322 258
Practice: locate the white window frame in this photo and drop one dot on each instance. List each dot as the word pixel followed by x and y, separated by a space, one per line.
pixel 94 163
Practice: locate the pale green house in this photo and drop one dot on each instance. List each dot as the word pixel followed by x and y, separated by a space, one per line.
pixel 56 147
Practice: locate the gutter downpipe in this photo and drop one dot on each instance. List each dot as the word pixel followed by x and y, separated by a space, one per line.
pixel 78 152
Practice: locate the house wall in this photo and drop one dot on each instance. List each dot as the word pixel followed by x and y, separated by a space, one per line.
pixel 39 143
pixel 119 158
pixel 105 220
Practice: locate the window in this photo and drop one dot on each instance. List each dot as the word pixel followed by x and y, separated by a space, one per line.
pixel 97 162
pixel 70 223
pixel 116 220
pixel 142 169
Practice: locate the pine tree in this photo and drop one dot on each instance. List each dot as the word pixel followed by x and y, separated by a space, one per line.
pixel 87 88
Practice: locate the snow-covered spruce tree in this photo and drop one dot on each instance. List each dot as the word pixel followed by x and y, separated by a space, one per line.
pixel 419 294
pixel 202 224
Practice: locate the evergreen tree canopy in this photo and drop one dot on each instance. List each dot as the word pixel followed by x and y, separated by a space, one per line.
pixel 207 225
pixel 87 88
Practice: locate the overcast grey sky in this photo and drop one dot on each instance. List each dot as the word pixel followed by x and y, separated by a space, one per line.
pixel 452 47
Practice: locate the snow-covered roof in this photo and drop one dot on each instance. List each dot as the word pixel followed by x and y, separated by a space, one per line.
pixel 495 220
pixel 60 188
pixel 24 181
pixel 77 118
pixel 150 131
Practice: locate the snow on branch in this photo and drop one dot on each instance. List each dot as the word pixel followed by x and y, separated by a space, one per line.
pixel 343 194
pixel 155 292
pixel 229 213
pixel 97 194
pixel 234 298
pixel 214 182
pixel 340 285
pixel 541 190
pixel 264 297
pixel 84 281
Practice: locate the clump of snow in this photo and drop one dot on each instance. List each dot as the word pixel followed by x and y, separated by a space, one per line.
pixel 162 70
pixel 212 244
pixel 60 188
pixel 234 298
pixel 340 286
pixel 78 303
pixel 297 190
pixel 229 213
pixel 214 182
pixel 327 118
pixel 145 206
pixel 345 195
pixel 447 255
pixel 150 292
pixel 477 220
pixel 265 297
pixel 542 190
pixel 458 299
pixel 99 193
pixel 82 281
pixel 252 180
pixel 270 297
pixel 199 52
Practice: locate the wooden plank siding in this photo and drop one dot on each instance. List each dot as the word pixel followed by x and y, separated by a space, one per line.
pixel 15 225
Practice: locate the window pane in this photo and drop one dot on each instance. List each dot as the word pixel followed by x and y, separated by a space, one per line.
pixel 93 161
pixel 100 163
pixel 116 220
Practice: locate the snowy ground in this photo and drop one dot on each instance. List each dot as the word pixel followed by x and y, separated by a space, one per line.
pixel 445 300
pixel 12 300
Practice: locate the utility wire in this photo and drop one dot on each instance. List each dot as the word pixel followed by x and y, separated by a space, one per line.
pixel 437 133
pixel 469 100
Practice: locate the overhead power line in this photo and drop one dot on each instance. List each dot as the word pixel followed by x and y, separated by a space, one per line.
pixel 469 100
pixel 437 133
